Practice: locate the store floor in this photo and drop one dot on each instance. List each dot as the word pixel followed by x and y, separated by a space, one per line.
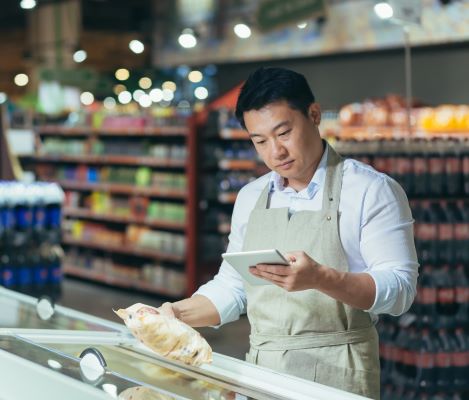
pixel 99 300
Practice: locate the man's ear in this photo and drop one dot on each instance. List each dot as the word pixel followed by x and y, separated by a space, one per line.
pixel 314 111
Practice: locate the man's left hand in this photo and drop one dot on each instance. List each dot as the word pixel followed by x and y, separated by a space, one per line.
pixel 302 273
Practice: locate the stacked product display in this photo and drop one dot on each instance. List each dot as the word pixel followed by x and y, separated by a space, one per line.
pixel 425 352
pixel 30 232
pixel 127 197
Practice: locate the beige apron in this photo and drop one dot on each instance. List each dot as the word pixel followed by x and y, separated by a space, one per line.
pixel 307 333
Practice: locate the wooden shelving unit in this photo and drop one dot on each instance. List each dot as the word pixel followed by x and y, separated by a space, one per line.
pixel 180 135
pixel 124 249
pixel 56 130
pixel 146 161
pixel 118 281
pixel 121 188
pixel 87 214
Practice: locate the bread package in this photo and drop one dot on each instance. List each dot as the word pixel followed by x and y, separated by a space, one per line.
pixel 167 336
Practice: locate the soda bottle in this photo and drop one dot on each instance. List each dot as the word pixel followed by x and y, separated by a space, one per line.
pixel 23 215
pixel 53 199
pixel 8 213
pixel 446 304
pixel 426 298
pixel 420 170
pixel 444 365
pixel 435 170
pixel 461 297
pixel 7 278
pixel 453 171
pixel 460 218
pixel 465 173
pixel 445 233
pixel 425 377
pixel 427 234
pixel 24 271
pixel 403 172
pixel 460 359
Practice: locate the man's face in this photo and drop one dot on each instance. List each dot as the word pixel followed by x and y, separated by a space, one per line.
pixel 287 141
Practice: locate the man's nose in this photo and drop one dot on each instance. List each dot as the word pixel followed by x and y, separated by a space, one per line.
pixel 278 150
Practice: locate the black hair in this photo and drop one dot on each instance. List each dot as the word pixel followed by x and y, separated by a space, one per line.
pixel 269 85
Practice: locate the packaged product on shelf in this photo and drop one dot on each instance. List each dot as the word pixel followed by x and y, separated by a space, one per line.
pixel 139 206
pixel 143 176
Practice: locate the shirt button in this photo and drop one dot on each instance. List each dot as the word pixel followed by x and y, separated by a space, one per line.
pixel 328 217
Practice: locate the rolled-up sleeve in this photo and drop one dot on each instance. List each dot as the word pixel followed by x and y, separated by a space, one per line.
pixel 387 246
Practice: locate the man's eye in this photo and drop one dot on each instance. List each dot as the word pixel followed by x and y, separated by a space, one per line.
pixel 285 133
pixel 261 142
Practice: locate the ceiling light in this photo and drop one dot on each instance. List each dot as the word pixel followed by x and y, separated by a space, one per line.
pixel 383 10
pixel 169 85
pixel 137 94
pixel 187 39
pixel 87 98
pixel 109 103
pixel 156 95
pixel 201 93
pixel 124 97
pixel 168 95
pixel 79 56
pixel 119 88
pixel 3 97
pixel 145 83
pixel 122 74
pixel 195 76
pixel 242 30
pixel 136 46
pixel 28 4
pixel 21 79
pixel 302 25
pixel 145 100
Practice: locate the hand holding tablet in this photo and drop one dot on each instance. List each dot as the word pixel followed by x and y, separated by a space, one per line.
pixel 241 262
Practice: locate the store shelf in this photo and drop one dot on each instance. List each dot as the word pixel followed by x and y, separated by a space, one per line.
pixel 227 198
pixel 124 249
pixel 87 131
pixel 120 188
pixel 238 134
pixel 370 133
pixel 116 281
pixel 85 213
pixel 231 165
pixel 112 159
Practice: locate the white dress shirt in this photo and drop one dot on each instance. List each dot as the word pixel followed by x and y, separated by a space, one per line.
pixel 375 226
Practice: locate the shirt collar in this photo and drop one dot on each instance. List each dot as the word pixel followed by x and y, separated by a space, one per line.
pixel 276 181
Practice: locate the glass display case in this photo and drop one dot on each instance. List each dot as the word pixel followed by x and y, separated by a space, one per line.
pixel 51 352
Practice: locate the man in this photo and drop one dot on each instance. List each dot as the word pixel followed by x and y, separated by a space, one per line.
pixel 345 228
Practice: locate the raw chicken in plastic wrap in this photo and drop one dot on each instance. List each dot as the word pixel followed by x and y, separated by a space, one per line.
pixel 167 336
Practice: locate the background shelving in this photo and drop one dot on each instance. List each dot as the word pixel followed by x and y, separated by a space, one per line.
pixel 130 197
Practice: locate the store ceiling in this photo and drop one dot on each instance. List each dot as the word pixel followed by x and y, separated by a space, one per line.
pixel 113 15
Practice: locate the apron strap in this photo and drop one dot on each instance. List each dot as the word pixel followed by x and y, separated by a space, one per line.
pixel 309 341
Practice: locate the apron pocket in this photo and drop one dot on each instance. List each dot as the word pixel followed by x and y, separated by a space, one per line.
pixel 364 383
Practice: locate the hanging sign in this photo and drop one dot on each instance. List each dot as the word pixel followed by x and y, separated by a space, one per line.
pixel 272 14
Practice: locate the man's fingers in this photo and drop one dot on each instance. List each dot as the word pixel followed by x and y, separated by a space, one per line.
pixel 274 269
pixel 167 309
pixel 275 278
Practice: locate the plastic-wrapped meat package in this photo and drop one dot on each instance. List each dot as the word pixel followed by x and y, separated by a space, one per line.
pixel 167 336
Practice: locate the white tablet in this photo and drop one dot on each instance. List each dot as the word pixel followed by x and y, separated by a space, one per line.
pixel 243 260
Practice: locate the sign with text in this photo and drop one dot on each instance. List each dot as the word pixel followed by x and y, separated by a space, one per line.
pixel 277 13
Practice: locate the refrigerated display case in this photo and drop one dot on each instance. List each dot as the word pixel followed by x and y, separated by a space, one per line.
pixel 49 352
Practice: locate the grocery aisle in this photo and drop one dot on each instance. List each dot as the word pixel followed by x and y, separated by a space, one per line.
pixel 99 300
